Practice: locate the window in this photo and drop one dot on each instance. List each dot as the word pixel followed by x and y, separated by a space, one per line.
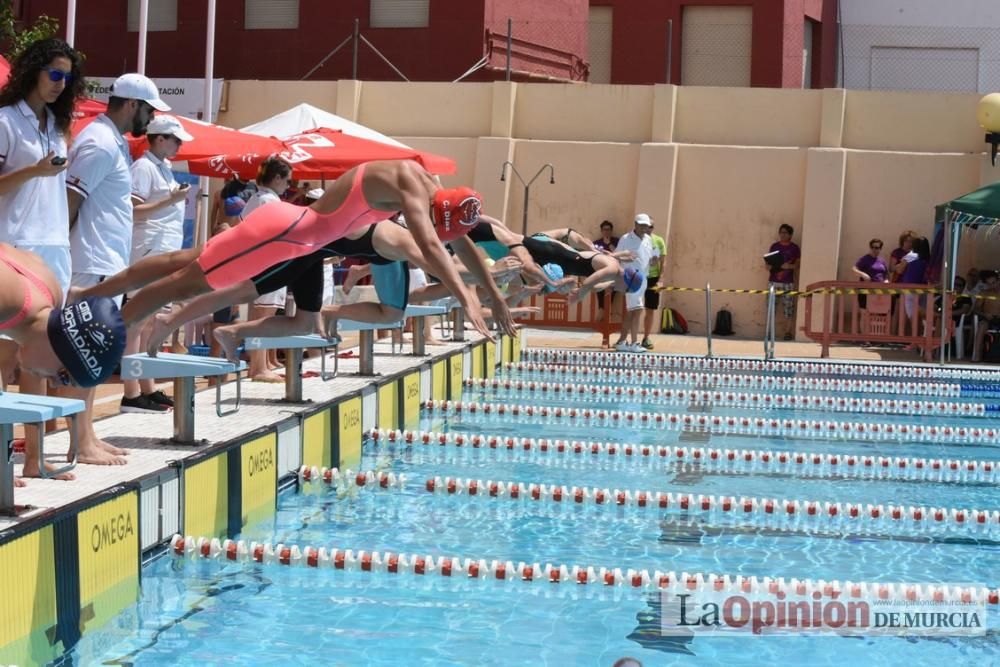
pixel 271 15
pixel 161 17
pixel 399 13
pixel 715 46
pixel 599 44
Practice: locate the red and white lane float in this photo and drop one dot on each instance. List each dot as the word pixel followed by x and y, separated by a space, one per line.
pixel 337 479
pixel 724 380
pixel 483 570
pixel 660 360
pixel 508 388
pixel 714 424
pixel 799 464
pixel 833 517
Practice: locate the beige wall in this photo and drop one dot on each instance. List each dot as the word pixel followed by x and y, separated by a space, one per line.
pixel 718 168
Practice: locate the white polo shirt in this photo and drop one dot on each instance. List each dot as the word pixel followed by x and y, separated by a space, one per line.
pixel 642 247
pixel 264 195
pixel 152 181
pixel 35 213
pixel 101 240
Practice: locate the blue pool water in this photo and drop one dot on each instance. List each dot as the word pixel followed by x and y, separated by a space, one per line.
pixel 196 612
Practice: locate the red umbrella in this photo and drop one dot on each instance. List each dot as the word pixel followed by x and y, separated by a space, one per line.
pixel 4 70
pixel 320 153
pixel 209 141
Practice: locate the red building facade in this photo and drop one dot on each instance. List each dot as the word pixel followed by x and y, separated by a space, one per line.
pixel 549 40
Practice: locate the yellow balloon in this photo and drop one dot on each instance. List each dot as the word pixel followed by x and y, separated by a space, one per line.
pixel 988 112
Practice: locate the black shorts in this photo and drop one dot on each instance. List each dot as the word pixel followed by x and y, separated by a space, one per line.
pixel 302 276
pixel 651 299
pixel 225 315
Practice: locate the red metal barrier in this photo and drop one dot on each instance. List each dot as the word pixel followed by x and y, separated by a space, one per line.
pixel 556 312
pixel 883 321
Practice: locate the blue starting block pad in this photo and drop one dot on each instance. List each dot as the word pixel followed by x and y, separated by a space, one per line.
pixel 290 342
pixel 293 346
pixel 424 311
pixel 31 409
pixel 184 368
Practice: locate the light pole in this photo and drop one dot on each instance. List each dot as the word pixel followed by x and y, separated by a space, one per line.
pixel 527 186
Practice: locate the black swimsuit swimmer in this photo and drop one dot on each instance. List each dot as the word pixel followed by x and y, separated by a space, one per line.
pixel 548 252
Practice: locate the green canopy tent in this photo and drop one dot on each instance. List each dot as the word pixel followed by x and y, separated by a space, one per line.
pixel 977 210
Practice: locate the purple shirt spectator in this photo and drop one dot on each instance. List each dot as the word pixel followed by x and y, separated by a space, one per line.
pixel 607 247
pixel 875 267
pixel 790 251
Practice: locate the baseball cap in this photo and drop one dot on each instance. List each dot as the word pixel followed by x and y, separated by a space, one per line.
pixel 455 212
pixel 643 219
pixel 138 87
pixel 633 280
pixel 164 124
pixel 89 338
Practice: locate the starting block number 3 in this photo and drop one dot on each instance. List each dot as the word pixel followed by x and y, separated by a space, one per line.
pixel 135 368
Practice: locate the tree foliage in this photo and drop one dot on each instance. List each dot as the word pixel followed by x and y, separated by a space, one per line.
pixel 15 35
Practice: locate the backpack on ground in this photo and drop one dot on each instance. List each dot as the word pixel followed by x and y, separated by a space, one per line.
pixel 723 323
pixel 672 322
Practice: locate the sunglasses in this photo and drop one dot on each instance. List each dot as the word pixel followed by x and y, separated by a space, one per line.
pixel 57 75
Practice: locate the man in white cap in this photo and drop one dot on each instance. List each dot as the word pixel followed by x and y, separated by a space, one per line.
pixel 157 227
pixel 637 242
pixel 99 197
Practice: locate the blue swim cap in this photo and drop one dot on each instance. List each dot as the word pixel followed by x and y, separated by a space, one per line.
pixel 633 280
pixel 233 206
pixel 89 338
pixel 554 272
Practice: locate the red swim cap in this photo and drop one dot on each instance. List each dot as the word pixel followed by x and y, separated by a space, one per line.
pixel 456 211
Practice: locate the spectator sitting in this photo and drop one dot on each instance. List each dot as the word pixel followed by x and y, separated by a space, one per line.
pixel 988 309
pixel 782 276
pixel 871 268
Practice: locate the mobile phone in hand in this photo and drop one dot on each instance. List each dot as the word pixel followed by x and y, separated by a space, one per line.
pixel 184 186
pixel 58 160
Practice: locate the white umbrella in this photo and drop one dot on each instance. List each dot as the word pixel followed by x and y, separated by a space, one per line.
pixel 304 117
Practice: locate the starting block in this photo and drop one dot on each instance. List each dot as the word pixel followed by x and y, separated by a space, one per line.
pixel 418 313
pixel 31 409
pixel 293 346
pixel 184 368
pixel 366 343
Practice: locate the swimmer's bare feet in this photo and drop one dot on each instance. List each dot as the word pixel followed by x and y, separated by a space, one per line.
pixel 160 331
pixel 354 274
pixel 31 470
pixel 228 340
pixel 111 449
pixel 19 483
pixel 267 377
pixel 574 297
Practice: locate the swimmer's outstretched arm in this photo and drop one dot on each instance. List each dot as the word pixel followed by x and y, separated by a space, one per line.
pixel 465 250
pixel 139 274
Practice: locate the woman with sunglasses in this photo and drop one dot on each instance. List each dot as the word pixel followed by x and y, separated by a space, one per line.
pixel 871 268
pixel 36 107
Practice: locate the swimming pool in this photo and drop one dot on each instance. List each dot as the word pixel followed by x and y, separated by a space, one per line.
pixel 718 499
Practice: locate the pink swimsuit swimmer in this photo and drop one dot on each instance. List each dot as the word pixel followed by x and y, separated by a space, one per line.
pixel 279 232
pixel 30 278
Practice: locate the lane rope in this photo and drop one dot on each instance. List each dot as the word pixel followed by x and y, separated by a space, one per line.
pixel 711 380
pixel 712 459
pixel 482 570
pixel 716 425
pixel 835 517
pixel 508 388
pixel 662 360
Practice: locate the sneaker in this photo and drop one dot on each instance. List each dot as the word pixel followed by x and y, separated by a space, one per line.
pixel 161 398
pixel 622 346
pixel 648 344
pixel 142 404
pixel 636 347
